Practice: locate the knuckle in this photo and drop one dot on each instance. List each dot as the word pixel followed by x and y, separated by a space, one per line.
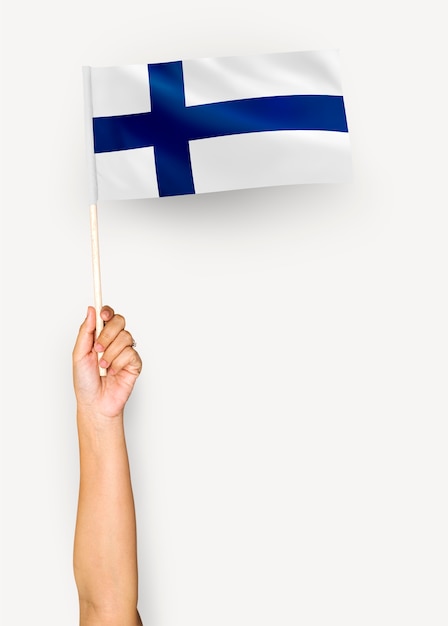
pixel 127 336
pixel 136 361
pixel 133 357
pixel 120 319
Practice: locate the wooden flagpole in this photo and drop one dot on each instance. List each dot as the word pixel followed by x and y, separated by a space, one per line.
pixel 96 275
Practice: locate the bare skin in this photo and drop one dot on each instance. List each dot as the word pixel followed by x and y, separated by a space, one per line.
pixel 105 550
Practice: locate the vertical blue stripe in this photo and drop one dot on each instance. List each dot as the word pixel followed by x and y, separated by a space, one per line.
pixel 171 149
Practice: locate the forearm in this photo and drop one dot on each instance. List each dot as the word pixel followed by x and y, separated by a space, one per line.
pixel 105 555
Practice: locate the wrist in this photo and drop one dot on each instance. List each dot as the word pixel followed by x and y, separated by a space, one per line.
pixel 99 436
pixel 90 418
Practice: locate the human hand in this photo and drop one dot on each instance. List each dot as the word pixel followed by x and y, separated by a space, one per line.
pixel 104 396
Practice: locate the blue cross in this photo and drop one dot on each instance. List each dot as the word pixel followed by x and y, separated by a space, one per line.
pixel 170 125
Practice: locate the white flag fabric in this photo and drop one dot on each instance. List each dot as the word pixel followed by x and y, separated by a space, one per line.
pixel 214 124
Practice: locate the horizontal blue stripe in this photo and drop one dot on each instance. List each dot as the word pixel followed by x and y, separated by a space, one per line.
pixel 235 117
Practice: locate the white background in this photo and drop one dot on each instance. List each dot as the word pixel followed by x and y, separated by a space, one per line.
pixel 288 434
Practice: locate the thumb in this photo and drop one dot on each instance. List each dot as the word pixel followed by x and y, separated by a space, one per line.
pixel 86 335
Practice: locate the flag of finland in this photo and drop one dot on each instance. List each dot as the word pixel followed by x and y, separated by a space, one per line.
pixel 216 124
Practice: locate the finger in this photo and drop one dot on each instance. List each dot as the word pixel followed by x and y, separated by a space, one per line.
pixel 84 341
pixel 128 359
pixel 107 313
pixel 122 341
pixel 109 332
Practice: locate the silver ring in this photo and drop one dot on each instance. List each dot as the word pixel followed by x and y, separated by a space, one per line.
pixel 134 343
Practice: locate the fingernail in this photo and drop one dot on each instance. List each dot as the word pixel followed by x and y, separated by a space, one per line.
pixel 104 363
pixel 98 347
